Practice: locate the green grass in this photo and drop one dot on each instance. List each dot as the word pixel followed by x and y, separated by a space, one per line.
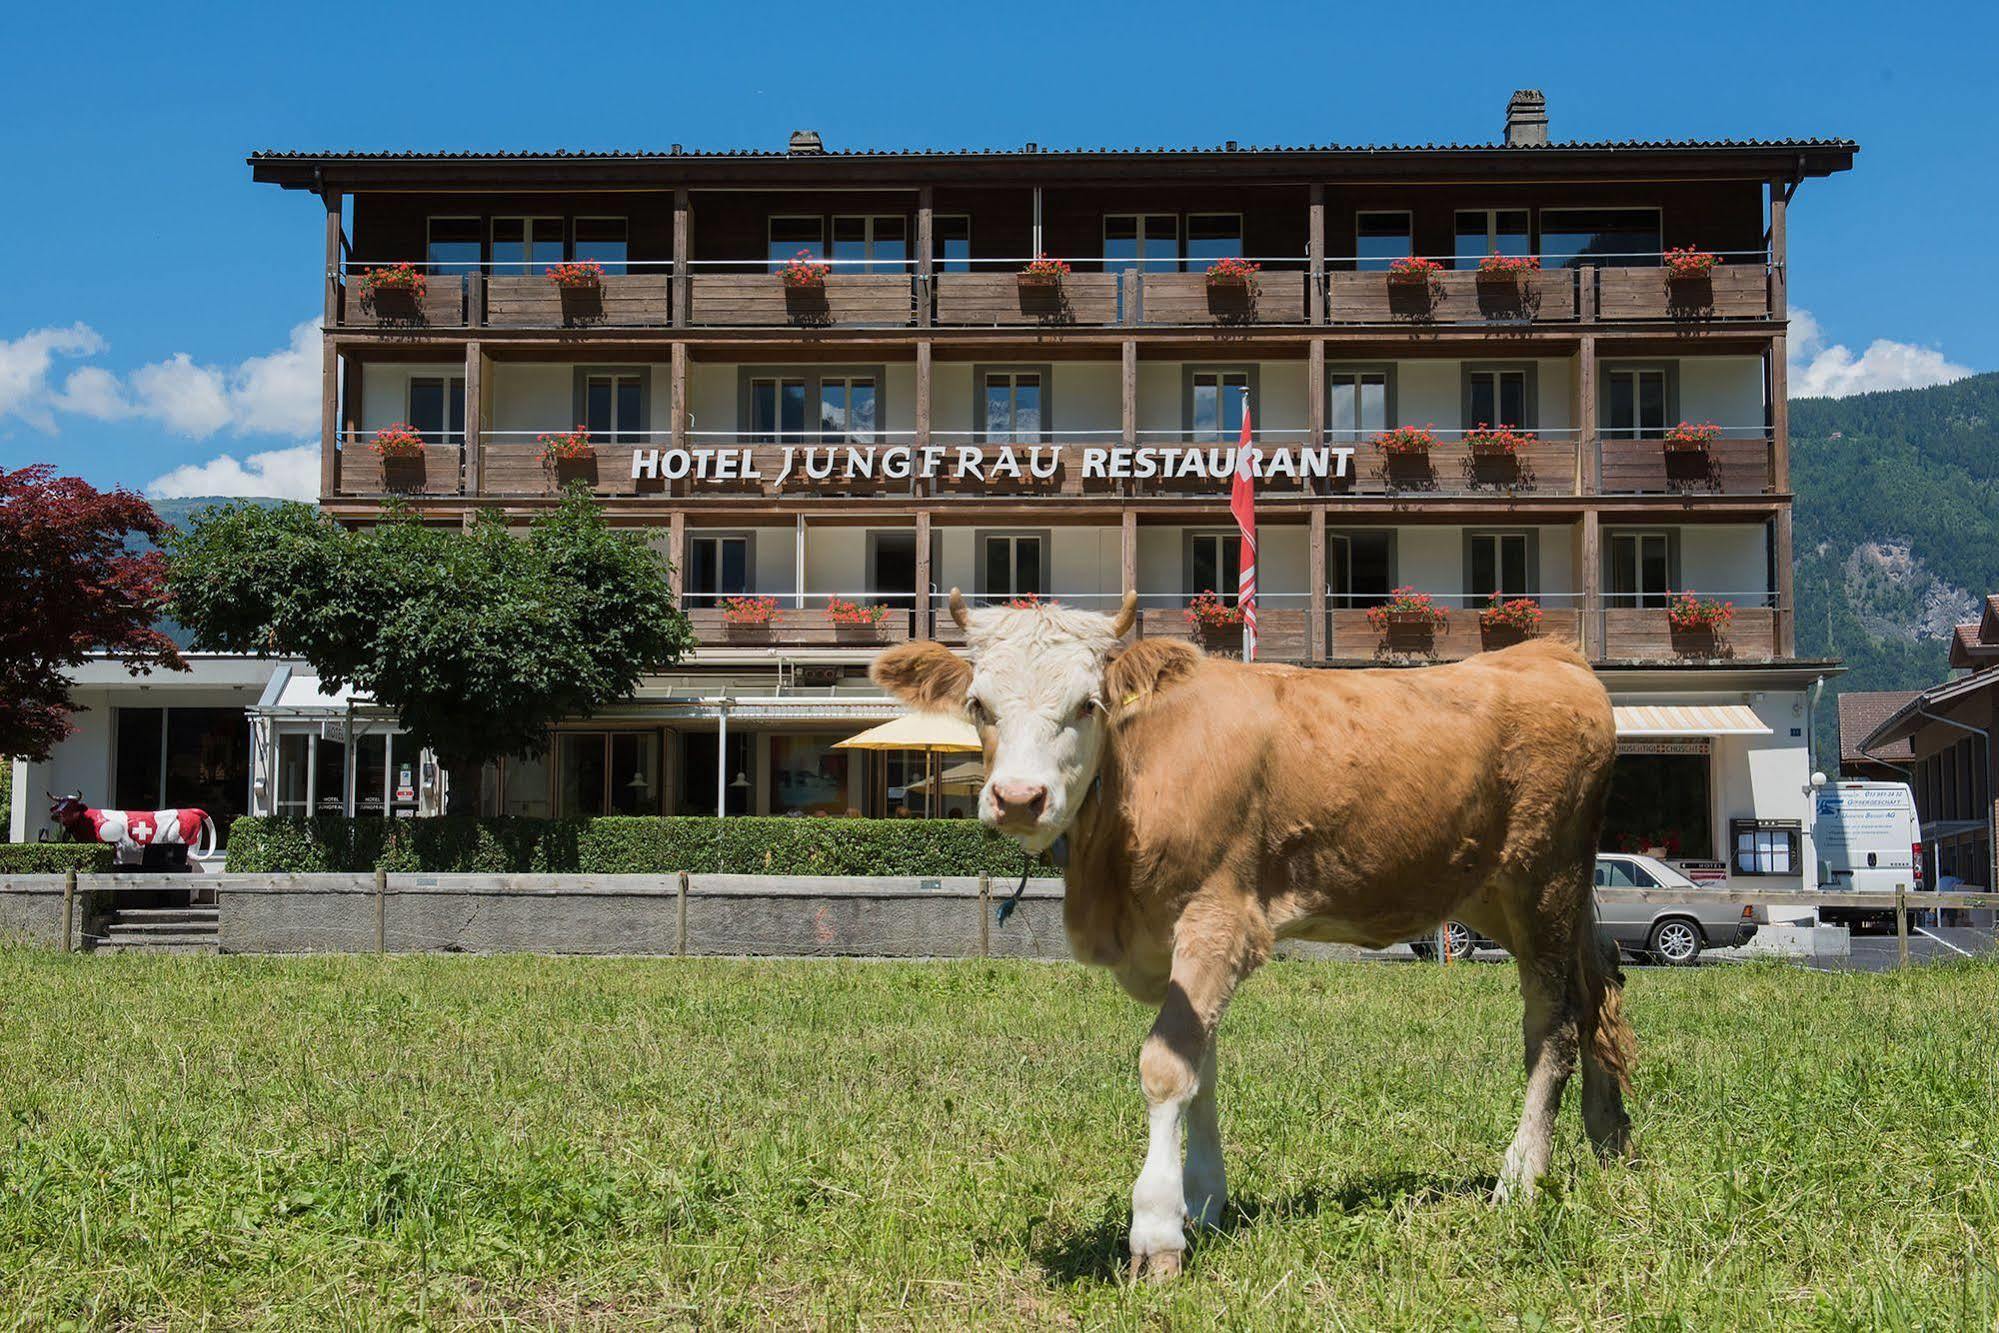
pixel 526 1141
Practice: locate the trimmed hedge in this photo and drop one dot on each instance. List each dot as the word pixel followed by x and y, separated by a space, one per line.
pixel 52 858
pixel 624 845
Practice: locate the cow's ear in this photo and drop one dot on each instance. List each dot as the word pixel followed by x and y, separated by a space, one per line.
pixel 1145 668
pixel 925 675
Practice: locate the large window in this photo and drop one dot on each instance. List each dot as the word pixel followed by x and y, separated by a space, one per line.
pixel 1147 241
pixel 1637 402
pixel 847 409
pixel 526 245
pixel 172 757
pixel 1491 231
pixel 1214 564
pixel 718 566
pixel 1764 846
pixel 1610 237
pixel 1212 236
pixel 1215 401
pixel 1357 402
pixel 1380 239
pixel 699 779
pixel 601 239
pixel 607 773
pixel 1499 396
pixel 877 243
pixel 1500 562
pixel 777 410
pixel 1012 407
pixel 613 405
pixel 437 408
pixel 808 776
pixel 1660 798
pixel 453 245
pixel 789 235
pixel 833 405
pixel 1640 568
pixel 1013 564
pixel 1360 568
pixel 951 242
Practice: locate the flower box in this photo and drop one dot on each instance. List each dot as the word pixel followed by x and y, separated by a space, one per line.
pixel 802 272
pixel 1232 272
pixel 1507 268
pixel 1407 611
pixel 583 274
pixel 855 620
pixel 1691 614
pixel 1414 271
pixel 404 282
pixel 1042 271
pixel 1690 438
pixel 1211 617
pixel 1505 621
pixel 1496 441
pixel 1686 264
pixel 1406 441
pixel 748 613
pixel 398 441
pixel 565 446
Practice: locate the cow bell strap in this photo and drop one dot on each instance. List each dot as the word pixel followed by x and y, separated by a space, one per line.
pixel 1012 900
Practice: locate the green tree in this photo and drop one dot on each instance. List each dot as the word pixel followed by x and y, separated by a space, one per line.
pixel 477 637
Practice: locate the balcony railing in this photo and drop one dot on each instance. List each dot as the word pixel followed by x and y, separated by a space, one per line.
pixel 1742 461
pixel 814 620
pixel 1635 633
pixel 1096 293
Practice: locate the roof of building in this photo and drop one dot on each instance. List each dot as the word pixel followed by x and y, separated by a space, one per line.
pixel 1975 643
pixel 1860 712
pixel 1907 720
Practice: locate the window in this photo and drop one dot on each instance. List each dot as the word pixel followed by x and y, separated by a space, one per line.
pixel 847 410
pixel 1360 568
pixel 1611 237
pixel 951 242
pixel 879 243
pixel 1661 798
pixel 1212 236
pixel 601 239
pixel 1213 564
pixel 613 405
pixel 1499 396
pixel 718 566
pixel 1215 400
pixel 1637 402
pixel 1641 568
pixel 437 408
pixel 526 245
pixel 1617 874
pixel 607 773
pixel 1357 404
pixel 1764 846
pixel 1500 562
pixel 1013 564
pixel 699 780
pixel 777 411
pixel 1148 241
pixel 1380 238
pixel 790 235
pixel 807 776
pixel 1491 231
pixel 453 245
pixel 1012 407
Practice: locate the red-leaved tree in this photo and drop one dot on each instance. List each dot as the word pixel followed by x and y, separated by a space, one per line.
pixel 70 587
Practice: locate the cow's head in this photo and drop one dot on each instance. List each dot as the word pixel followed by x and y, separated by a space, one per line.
pixel 67 810
pixel 1036 684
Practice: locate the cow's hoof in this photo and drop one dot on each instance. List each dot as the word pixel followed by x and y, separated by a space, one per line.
pixel 1160 1267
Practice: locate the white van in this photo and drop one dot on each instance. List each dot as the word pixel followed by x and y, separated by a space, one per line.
pixel 1868 841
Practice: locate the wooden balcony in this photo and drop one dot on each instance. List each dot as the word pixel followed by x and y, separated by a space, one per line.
pixel 438 471
pixel 763 300
pixel 1643 634
pixel 795 626
pixel 1189 299
pixel 1725 467
pixel 442 305
pixel 1352 637
pixel 1452 298
pixel 1280 632
pixel 1001 299
pixel 1546 467
pixel 623 300
pixel 1731 291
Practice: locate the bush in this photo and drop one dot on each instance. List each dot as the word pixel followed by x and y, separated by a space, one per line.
pixel 625 846
pixel 52 858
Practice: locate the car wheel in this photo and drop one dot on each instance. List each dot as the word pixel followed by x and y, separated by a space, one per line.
pixel 1675 942
pixel 1458 938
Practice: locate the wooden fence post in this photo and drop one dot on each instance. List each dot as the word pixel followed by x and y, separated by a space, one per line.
pixel 1901 925
pixel 680 918
pixel 381 909
pixel 985 915
pixel 69 910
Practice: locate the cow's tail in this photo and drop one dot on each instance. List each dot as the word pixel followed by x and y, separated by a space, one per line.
pixel 205 848
pixel 1606 1032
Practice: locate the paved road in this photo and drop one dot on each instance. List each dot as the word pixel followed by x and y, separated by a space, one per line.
pixel 1871 953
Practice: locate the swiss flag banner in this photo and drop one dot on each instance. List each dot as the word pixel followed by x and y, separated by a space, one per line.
pixel 1242 503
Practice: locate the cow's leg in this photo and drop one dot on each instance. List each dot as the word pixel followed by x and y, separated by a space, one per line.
pixel 1549 992
pixel 1606 1050
pixel 1211 954
pixel 1206 1186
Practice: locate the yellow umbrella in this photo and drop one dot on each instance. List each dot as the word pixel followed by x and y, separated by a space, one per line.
pixel 918 731
pixel 964 777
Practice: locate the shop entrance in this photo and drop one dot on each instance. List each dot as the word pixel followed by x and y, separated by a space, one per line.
pixel 1662 796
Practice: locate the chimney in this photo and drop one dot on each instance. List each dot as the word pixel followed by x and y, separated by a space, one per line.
pixel 1526 119
pixel 805 143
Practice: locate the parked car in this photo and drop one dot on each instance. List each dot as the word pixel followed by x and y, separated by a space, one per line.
pixel 1869 841
pixel 1460 939
pixel 1676 930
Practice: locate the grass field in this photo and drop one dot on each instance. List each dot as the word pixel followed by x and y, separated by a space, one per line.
pixel 529 1141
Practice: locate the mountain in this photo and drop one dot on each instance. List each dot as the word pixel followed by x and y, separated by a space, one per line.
pixel 1896 530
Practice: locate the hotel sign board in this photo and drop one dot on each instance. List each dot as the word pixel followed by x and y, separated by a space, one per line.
pixel 1042 462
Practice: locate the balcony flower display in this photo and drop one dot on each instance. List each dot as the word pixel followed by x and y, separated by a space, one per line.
pixel 1030 601
pixel 398 441
pixel 581 275
pixel 1041 271
pixel 1507 268
pixel 749 612
pixel 1414 271
pixel 853 615
pixel 1497 441
pixel 403 279
pixel 1690 613
pixel 1516 615
pixel 1686 262
pixel 1407 441
pixel 1232 272
pixel 1407 607
pixel 1690 438
pixel 802 272
pixel 564 446
pixel 1208 613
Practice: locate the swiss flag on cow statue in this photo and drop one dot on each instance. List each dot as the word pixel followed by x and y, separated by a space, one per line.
pixel 1242 503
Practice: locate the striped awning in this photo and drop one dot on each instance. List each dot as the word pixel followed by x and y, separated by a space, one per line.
pixel 1688 720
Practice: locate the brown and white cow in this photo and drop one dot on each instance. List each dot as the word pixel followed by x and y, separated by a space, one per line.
pixel 1214 807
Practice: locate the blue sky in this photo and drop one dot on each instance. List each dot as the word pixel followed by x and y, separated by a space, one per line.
pixel 155 309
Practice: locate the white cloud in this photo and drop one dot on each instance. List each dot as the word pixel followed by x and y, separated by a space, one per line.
pixel 288 474
pixel 1822 370
pixel 24 370
pixel 274 394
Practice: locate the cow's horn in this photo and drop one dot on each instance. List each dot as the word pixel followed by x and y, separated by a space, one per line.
pixel 1126 614
pixel 958 612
